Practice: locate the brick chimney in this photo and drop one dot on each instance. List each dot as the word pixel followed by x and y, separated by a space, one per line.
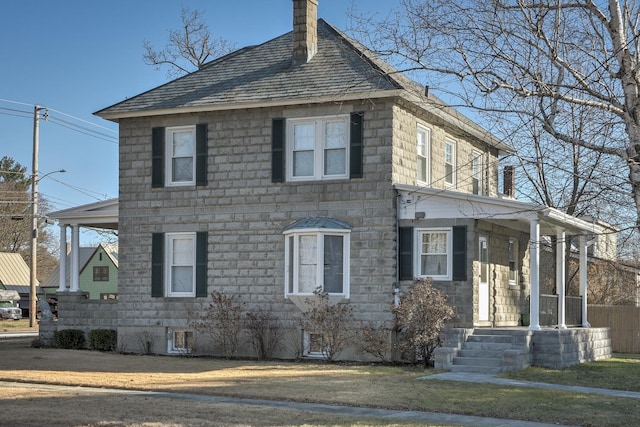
pixel 510 182
pixel 305 30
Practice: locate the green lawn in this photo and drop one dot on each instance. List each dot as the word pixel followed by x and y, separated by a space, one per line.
pixel 621 372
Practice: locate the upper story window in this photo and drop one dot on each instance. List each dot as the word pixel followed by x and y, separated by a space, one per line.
pixel 449 162
pixel 434 253
pixel 476 173
pixel 181 152
pixel 317 257
pixel 179 156
pixel 513 261
pixel 318 148
pixel 423 150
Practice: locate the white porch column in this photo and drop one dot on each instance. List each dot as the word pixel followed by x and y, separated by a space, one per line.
pixel 75 252
pixel 62 287
pixel 583 279
pixel 534 299
pixel 560 277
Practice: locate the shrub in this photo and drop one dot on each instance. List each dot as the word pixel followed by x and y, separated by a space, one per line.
pixel 265 332
pixel 222 321
pixel 420 318
pixel 103 339
pixel 374 340
pixel 330 322
pixel 69 338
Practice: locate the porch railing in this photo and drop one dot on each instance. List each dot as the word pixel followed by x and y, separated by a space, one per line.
pixel 549 310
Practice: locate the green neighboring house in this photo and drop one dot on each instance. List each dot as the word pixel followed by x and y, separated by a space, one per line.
pixel 98 268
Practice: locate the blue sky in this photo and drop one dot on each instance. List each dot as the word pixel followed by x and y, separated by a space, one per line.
pixel 76 57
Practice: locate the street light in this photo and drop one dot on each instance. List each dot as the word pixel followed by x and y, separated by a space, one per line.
pixel 34 216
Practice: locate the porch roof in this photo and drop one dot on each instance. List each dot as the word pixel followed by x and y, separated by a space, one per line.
pixel 103 214
pixel 420 202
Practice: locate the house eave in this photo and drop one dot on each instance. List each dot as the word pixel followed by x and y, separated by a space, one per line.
pixel 115 116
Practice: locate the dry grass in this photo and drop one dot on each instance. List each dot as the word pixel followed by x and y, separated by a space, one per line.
pixel 16 326
pixel 371 386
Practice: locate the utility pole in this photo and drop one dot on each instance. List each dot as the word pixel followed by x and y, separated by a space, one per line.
pixel 34 217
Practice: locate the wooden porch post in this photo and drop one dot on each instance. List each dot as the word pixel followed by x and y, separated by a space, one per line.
pixel 75 255
pixel 62 286
pixel 534 299
pixel 560 277
pixel 583 279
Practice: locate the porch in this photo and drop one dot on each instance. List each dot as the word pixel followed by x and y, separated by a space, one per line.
pixel 494 350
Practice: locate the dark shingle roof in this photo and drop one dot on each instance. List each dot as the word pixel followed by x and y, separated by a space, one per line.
pixel 266 73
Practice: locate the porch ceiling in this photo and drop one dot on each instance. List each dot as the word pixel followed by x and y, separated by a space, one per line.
pixel 419 202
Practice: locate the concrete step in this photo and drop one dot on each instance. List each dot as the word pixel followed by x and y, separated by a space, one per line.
pixel 464 352
pixel 492 362
pixel 489 346
pixel 475 369
pixel 506 339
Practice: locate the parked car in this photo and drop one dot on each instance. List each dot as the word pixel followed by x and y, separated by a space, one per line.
pixel 9 305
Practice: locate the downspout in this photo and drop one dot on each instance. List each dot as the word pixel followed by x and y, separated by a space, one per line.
pixel 396 289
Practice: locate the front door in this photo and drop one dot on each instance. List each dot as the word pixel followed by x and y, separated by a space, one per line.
pixel 483 283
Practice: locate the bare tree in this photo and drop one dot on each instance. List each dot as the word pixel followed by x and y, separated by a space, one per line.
pixel 569 59
pixel 189 48
pixel 15 214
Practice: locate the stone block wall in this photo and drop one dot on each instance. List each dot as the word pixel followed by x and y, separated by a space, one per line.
pixel 77 311
pixel 406 121
pixel 245 213
pixel 560 348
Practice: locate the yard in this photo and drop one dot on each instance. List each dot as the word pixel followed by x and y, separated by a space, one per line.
pixel 393 387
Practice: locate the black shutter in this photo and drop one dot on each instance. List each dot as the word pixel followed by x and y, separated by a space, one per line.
pixel 277 150
pixel 157 157
pixel 459 250
pixel 405 253
pixel 201 154
pixel 356 147
pixel 157 265
pixel 201 264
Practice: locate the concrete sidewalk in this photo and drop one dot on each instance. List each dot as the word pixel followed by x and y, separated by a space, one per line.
pixel 492 379
pixel 428 418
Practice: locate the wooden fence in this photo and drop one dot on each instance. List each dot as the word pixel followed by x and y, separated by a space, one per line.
pixel 624 321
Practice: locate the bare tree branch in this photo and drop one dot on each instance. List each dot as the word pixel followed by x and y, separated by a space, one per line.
pixel 189 48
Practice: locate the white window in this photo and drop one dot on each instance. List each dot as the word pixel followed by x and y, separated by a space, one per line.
pixel 181 259
pixel 317 260
pixel 180 156
pixel 179 341
pixel 449 162
pixel 313 345
pixel 513 261
pixel 318 148
pixel 476 173
pixel 423 155
pixel 434 253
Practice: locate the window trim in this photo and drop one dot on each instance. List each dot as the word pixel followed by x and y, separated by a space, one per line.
pixel 171 340
pixel 477 160
pixel 291 271
pixel 427 155
pixel 169 238
pixel 169 156
pixel 452 143
pixel 513 251
pixel 449 252
pixel 318 149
